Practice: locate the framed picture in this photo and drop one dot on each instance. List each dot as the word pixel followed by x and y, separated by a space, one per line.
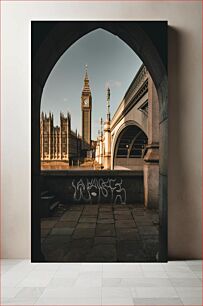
pixel 99 141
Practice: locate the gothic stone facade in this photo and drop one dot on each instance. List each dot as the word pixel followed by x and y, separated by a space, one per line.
pixel 58 142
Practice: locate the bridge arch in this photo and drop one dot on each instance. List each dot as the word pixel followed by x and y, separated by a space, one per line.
pixel 49 41
pixel 130 130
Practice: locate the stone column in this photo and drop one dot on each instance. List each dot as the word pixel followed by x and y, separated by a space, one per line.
pixel 53 143
pixel 56 143
pixel 151 158
pixel 42 137
pixel 60 139
pixel 49 137
pixel 97 152
pixel 107 146
pixel 101 151
pixel 68 141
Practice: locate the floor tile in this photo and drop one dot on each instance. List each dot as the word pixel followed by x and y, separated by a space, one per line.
pixel 69 301
pixel 155 274
pixel 30 292
pixel 192 301
pixel 193 262
pixel 9 292
pixel 112 282
pixel 147 292
pixel 37 279
pixel 117 301
pixel 22 301
pixel 116 292
pixel 157 301
pixel 61 282
pixel 73 292
pixel 88 267
pixel 146 282
pixel 27 283
pixel 189 291
pixel 186 282
pixel 177 274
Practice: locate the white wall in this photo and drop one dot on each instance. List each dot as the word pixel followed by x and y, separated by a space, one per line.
pixel 184 112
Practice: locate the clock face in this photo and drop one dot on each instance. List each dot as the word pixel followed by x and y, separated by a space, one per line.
pixel 86 102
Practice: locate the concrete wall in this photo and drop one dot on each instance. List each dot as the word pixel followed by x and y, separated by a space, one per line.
pixel 184 211
pixel 119 187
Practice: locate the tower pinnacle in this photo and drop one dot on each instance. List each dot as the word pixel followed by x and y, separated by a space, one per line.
pixel 86 86
pixel 101 127
pixel 108 104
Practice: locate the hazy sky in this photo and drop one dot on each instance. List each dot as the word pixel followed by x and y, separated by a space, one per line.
pixel 110 63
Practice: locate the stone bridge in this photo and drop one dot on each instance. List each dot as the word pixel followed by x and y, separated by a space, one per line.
pixel 135 134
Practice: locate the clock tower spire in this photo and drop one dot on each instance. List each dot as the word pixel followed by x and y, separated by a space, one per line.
pixel 86 107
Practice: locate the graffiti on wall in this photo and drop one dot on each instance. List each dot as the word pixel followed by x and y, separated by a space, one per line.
pixel 97 189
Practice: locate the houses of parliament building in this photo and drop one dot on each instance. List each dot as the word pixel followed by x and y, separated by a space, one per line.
pixel 60 143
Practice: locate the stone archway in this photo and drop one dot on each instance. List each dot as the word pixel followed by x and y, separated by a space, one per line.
pixel 121 130
pixel 129 149
pixel 49 41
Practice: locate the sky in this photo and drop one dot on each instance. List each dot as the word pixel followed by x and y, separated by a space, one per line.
pixel 110 63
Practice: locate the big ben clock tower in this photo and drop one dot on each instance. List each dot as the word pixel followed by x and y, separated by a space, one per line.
pixel 86 107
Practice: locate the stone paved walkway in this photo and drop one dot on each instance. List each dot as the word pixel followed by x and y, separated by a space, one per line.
pixel 100 233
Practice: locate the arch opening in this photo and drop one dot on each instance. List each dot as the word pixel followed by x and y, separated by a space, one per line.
pixel 129 149
pixel 138 38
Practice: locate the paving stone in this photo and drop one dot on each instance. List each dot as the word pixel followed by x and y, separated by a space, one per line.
pixel 70 234
pixel 84 233
pixel 87 214
pixel 76 255
pixel 80 243
pixel 105 230
pixel 65 224
pixel 102 253
pixel 86 225
pixel 71 216
pixel 122 212
pixel 123 217
pixel 104 240
pixel 90 212
pixel 105 209
pixel 151 248
pixel 87 220
pixel 131 251
pixel 55 240
pixel 142 218
pixel 55 254
pixel 119 206
pixel 48 223
pixel 130 244
pixel 91 206
pixel 105 216
pixel 127 234
pixel 143 223
pixel 62 231
pixel 148 230
pixel 105 221
pixel 125 223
